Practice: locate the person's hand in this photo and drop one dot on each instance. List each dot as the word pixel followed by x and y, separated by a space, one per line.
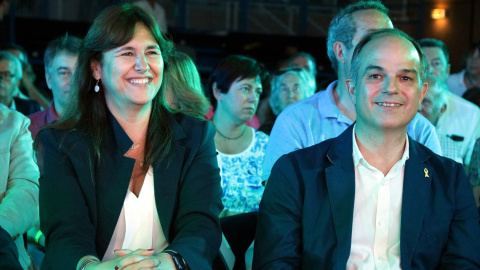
pixel 138 259
pixel 128 260
pixel 166 261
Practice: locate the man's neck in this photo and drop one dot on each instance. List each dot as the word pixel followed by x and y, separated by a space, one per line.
pixel 6 101
pixel 381 148
pixel 342 97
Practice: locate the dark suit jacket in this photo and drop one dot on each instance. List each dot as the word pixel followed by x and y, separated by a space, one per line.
pixel 27 107
pixel 80 201
pixel 306 214
pixel 8 252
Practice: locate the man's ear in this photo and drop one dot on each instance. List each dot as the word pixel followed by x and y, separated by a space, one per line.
pixel 216 92
pixel 351 89
pixel 443 109
pixel 423 92
pixel 339 49
pixel 47 79
pixel 95 66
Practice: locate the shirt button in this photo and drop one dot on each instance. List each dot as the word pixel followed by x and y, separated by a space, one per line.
pixel 380 258
pixel 380 222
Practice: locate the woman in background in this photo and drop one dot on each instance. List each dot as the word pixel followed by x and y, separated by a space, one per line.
pixel 183 87
pixel 288 86
pixel 126 184
pixel 235 85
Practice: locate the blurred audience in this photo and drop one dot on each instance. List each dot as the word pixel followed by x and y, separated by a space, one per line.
pixel 473 95
pixel 473 172
pixel 287 87
pixel 18 181
pixel 306 61
pixel 156 10
pixel 183 87
pixel 452 123
pixel 469 77
pixel 27 82
pixel 10 75
pixel 60 64
pixel 433 106
pixel 235 86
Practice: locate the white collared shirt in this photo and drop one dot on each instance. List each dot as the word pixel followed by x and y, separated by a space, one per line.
pixel 376 214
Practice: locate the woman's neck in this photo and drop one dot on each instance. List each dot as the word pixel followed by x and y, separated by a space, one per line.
pixel 226 126
pixel 134 122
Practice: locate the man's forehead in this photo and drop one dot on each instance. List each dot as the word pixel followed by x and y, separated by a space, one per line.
pixel 390 48
pixel 433 52
pixel 7 64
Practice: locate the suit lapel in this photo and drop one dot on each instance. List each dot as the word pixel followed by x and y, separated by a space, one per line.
pixel 167 175
pixel 416 189
pixel 341 191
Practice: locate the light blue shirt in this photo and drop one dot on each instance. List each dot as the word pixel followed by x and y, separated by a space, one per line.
pixel 316 119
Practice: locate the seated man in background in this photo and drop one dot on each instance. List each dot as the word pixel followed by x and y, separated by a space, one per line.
pixel 27 83
pixel 460 120
pixel 371 198
pixel 60 63
pixel 11 73
pixel 469 77
pixel 306 61
pixel 433 107
pixel 18 180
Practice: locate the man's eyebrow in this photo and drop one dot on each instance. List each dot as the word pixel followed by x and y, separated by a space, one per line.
pixel 406 70
pixel 372 67
pixel 60 68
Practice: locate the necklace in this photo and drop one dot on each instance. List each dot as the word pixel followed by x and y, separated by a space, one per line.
pixel 228 138
pixel 133 147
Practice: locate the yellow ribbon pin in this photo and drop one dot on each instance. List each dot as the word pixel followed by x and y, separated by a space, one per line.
pixel 426 172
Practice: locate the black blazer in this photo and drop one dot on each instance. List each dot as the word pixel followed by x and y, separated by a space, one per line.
pixel 80 202
pixel 306 214
pixel 8 252
pixel 27 106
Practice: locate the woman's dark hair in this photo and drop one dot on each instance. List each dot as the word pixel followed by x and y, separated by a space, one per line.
pixel 86 110
pixel 230 69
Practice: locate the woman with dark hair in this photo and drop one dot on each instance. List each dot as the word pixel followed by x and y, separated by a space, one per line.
pixel 236 85
pixel 125 183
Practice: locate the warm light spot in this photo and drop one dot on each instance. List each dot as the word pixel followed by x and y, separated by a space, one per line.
pixel 438 13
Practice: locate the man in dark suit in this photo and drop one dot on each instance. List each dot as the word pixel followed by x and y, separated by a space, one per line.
pixel 10 76
pixel 371 198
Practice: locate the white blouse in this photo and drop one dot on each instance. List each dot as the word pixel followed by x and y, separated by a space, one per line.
pixel 138 226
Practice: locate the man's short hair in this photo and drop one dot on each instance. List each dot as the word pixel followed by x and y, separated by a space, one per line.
pixel 382 33
pixel 66 43
pixel 7 56
pixel 435 43
pixel 342 27
pixel 305 55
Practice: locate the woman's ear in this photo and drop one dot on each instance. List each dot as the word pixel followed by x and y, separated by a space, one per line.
pixel 95 66
pixel 216 92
